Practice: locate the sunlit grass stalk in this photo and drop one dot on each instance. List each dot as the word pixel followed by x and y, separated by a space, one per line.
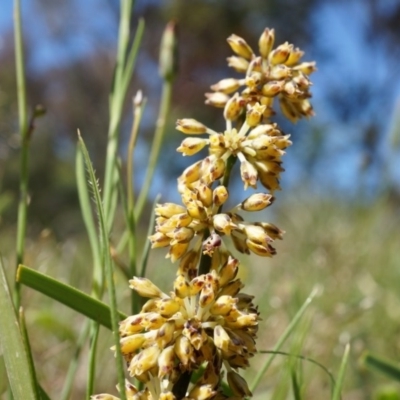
pixel 24 133
pixel 156 147
pixel 340 380
pixel 138 108
pixel 94 337
pixel 106 257
pixel 123 73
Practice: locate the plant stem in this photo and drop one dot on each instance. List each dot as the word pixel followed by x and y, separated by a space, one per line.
pixel 156 146
pixel 25 136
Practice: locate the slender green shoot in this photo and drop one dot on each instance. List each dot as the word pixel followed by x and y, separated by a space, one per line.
pixel 16 359
pixel 123 73
pixel 106 256
pixel 25 137
pixel 94 335
pixel 282 339
pixel 381 365
pixel 343 365
pixel 168 69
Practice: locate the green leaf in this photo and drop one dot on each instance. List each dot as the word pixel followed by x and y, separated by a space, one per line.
pixel 343 365
pixel 67 295
pixel 381 365
pixel 15 357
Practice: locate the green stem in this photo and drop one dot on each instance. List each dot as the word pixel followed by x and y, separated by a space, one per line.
pixel 24 132
pixel 156 147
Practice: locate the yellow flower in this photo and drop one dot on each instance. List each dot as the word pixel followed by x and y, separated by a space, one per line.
pixel 205 318
pixel 274 73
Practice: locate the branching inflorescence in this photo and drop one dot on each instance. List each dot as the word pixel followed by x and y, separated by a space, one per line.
pixel 206 324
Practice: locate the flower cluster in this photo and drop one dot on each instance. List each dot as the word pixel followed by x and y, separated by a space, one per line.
pixel 206 324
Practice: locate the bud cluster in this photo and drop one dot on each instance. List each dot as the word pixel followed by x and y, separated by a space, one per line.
pixel 206 323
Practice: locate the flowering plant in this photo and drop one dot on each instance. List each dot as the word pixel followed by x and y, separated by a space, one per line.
pixel 205 325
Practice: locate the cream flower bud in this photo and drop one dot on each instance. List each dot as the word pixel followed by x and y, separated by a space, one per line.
pixel 255 114
pixel 202 392
pixel 240 47
pixel 272 88
pixel 223 305
pixel 177 251
pixel 239 241
pixel 239 64
pixel 167 210
pixel 294 57
pixel 181 235
pixel 306 67
pixel 291 90
pixel 207 295
pixel 238 385
pixel 168 307
pixel 191 146
pixel 233 107
pixel 231 289
pixel 159 240
pixel 228 85
pixel 257 202
pixel 280 54
pixel 220 195
pixel 221 338
pixel 145 287
pixel 205 195
pixel 191 126
pixel 266 42
pixel 183 350
pixel 130 344
pixel 104 396
pixel 273 231
pixel 144 360
pixel 279 72
pixel 263 250
pixel 165 334
pixel 181 287
pixel 248 174
pixel 223 223
pixel 228 271
pixel 217 99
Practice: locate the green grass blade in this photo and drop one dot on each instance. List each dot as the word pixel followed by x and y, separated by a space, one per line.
pixel 87 215
pixel 67 295
pixel 381 365
pixel 283 338
pixel 343 365
pixel 25 341
pixel 105 248
pixel 295 384
pixel 94 336
pixel 16 359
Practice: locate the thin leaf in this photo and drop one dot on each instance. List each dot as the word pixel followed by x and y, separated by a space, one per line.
pixel 283 338
pixel 343 365
pixel 295 384
pixel 67 295
pixel 108 268
pixel 381 365
pixel 15 357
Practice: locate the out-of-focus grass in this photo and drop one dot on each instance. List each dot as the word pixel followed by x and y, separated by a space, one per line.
pixel 350 251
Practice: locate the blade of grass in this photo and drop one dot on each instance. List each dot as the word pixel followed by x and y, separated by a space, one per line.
pixel 283 338
pixel 16 359
pixel 67 295
pixel 94 335
pixel 381 365
pixel 87 215
pixel 343 365
pixel 27 346
pixel 295 384
pixel 106 256
pixel 123 73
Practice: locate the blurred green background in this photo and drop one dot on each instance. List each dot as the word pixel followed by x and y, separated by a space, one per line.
pixel 340 200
